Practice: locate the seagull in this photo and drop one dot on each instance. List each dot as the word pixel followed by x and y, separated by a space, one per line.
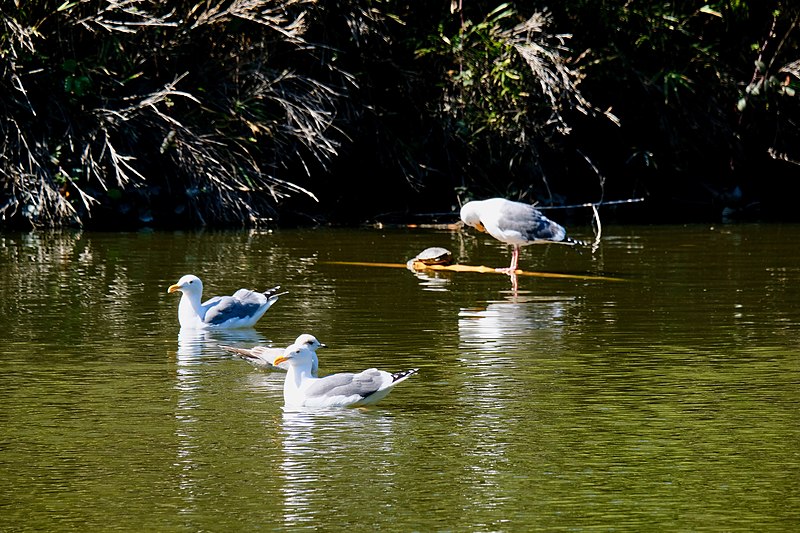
pixel 241 310
pixel 263 357
pixel 513 223
pixel 301 389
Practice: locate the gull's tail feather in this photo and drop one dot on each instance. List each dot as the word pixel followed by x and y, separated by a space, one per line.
pixel 273 292
pixel 244 353
pixel 258 356
pixel 397 377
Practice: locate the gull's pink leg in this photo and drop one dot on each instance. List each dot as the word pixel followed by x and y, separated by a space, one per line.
pixel 514 262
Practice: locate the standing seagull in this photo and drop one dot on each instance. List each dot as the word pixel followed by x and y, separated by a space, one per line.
pixel 301 389
pixel 513 223
pixel 241 310
pixel 264 358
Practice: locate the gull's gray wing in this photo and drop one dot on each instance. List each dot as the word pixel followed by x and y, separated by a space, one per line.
pixel 248 296
pixel 529 222
pixel 269 295
pixel 224 308
pixel 243 303
pixel 347 384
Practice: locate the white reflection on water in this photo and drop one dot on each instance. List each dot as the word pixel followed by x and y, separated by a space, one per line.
pixel 497 344
pixel 497 349
pixel 329 452
pixel 501 325
pixel 194 345
pixel 196 348
pixel 431 280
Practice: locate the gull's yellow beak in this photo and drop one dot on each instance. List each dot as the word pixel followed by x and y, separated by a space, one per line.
pixel 278 360
pixel 173 288
pixel 480 227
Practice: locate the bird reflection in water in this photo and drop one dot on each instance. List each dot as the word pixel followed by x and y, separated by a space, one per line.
pixel 497 352
pixel 195 350
pixel 504 325
pixel 327 452
pixel 196 344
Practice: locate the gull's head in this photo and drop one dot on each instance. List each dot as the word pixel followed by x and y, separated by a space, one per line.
pixel 471 217
pixel 188 284
pixel 296 355
pixel 309 341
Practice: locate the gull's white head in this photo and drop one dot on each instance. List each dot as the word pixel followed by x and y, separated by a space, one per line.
pixel 296 355
pixel 188 284
pixel 309 341
pixel 470 215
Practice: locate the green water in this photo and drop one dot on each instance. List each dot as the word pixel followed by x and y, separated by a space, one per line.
pixel 667 401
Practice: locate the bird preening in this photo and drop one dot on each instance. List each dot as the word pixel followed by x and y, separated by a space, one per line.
pixel 513 223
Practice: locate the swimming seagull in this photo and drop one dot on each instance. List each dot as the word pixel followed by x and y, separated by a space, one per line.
pixel 513 223
pixel 301 389
pixel 241 310
pixel 263 357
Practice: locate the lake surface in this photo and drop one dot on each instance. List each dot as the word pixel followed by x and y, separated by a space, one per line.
pixel 667 399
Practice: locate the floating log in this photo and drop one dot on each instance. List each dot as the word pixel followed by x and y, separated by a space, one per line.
pixel 416 265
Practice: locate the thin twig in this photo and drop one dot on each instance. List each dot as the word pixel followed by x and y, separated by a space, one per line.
pixel 598 229
pixel 591 204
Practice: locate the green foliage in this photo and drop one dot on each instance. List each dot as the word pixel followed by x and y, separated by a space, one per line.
pixel 485 90
pixel 233 112
pixel 680 76
pixel 508 90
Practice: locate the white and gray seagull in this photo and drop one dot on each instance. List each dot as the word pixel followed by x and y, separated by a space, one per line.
pixel 240 310
pixel 301 389
pixel 513 223
pixel 263 357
